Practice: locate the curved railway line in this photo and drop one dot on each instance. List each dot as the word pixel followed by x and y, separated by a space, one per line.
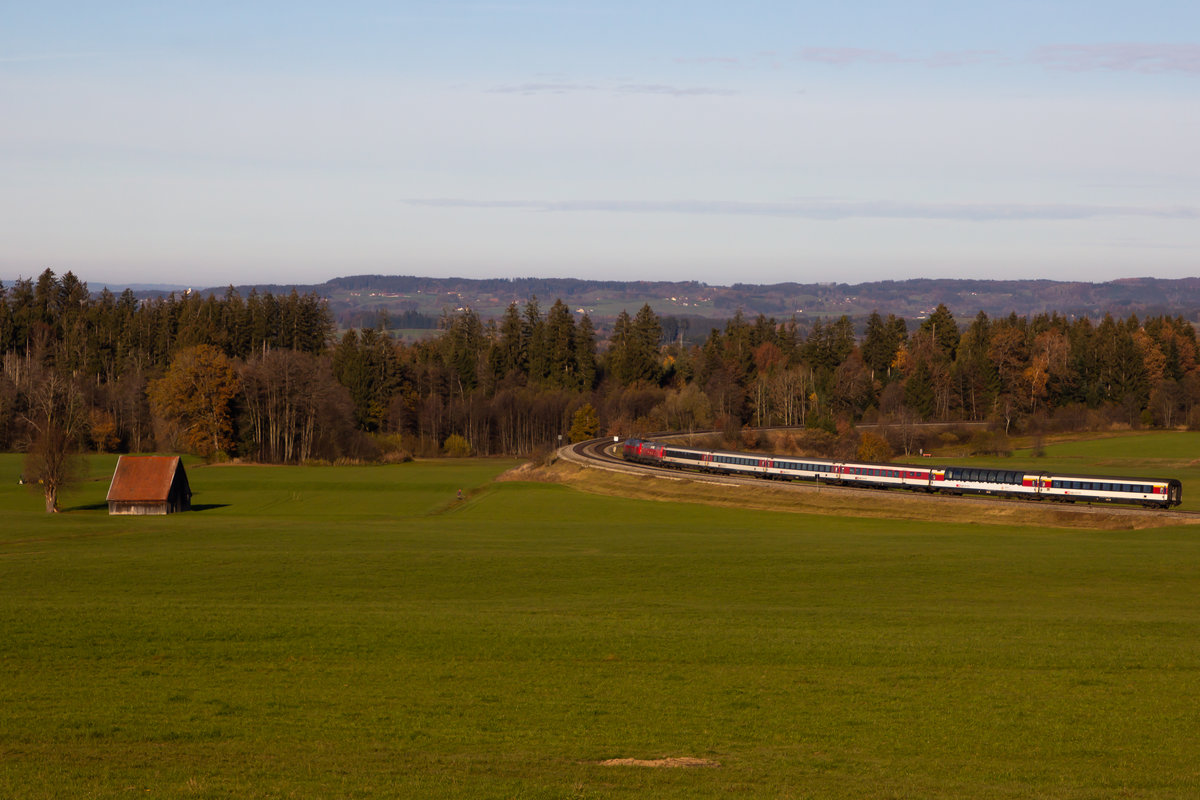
pixel 604 454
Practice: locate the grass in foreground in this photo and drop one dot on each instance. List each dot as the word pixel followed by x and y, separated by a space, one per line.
pixel 348 632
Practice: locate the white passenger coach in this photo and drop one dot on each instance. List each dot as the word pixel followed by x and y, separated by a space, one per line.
pixel 1025 484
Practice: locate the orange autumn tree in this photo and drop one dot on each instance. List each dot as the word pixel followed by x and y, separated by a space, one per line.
pixel 195 394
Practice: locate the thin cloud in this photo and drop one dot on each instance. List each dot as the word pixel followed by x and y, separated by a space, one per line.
pixel 544 88
pixel 842 56
pixel 963 58
pixel 849 56
pixel 1147 58
pixel 828 209
pixel 721 60
pixel 767 58
pixel 673 91
pixel 1139 57
pixel 24 59
pixel 625 88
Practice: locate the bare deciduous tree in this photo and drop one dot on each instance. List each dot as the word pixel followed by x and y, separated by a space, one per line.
pixel 55 416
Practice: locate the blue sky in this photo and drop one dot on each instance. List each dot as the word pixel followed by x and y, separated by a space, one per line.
pixel 214 143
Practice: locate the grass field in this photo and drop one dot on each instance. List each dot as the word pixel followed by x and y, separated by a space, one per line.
pixel 356 632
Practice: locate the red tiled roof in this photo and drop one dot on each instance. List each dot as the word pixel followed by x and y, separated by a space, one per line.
pixel 145 479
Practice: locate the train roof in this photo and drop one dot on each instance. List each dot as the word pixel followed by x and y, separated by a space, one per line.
pixel 905 465
pixel 1105 478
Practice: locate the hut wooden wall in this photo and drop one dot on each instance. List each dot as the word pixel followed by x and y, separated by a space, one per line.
pixel 139 509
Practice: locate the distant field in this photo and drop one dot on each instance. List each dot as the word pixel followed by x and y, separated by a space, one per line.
pixel 1154 454
pixel 356 632
pixel 1124 448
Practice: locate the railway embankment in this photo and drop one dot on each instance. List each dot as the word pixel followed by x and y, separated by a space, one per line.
pixel 596 467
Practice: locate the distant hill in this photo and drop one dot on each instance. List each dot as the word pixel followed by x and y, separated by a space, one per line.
pixel 361 297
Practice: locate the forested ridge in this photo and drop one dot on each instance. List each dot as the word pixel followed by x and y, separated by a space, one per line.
pixel 357 300
pixel 266 377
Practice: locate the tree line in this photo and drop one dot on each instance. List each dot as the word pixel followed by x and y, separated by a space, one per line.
pixel 267 378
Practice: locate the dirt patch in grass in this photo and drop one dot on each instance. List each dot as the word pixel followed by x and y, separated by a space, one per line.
pixel 804 498
pixel 682 761
pixel 532 472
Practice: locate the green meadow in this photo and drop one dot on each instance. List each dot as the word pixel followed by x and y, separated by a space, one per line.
pixel 345 632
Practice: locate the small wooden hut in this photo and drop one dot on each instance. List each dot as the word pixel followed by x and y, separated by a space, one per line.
pixel 149 485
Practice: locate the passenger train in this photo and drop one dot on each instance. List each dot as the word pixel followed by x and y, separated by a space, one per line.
pixel 1025 484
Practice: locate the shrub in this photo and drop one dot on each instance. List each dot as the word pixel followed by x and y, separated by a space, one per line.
pixel 456 446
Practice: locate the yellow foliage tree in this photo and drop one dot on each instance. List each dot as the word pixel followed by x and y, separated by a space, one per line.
pixel 104 431
pixel 873 447
pixel 196 393
pixel 585 424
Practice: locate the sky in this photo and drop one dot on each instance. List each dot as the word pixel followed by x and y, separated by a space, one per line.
pixel 756 142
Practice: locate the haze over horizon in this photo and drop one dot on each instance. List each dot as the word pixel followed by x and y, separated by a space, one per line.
pixel 759 143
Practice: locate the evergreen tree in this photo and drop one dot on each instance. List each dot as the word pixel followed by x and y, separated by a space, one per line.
pixel 974 372
pixel 918 390
pixel 646 336
pixel 585 353
pixel 462 344
pixel 560 348
pixel 508 353
pixel 880 344
pixel 616 357
pixel 944 330
pixel 368 367
pixel 841 339
pixel 533 333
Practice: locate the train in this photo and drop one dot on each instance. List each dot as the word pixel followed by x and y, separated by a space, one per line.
pixel 1016 483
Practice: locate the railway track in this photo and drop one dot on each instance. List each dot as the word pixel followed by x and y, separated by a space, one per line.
pixel 604 454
